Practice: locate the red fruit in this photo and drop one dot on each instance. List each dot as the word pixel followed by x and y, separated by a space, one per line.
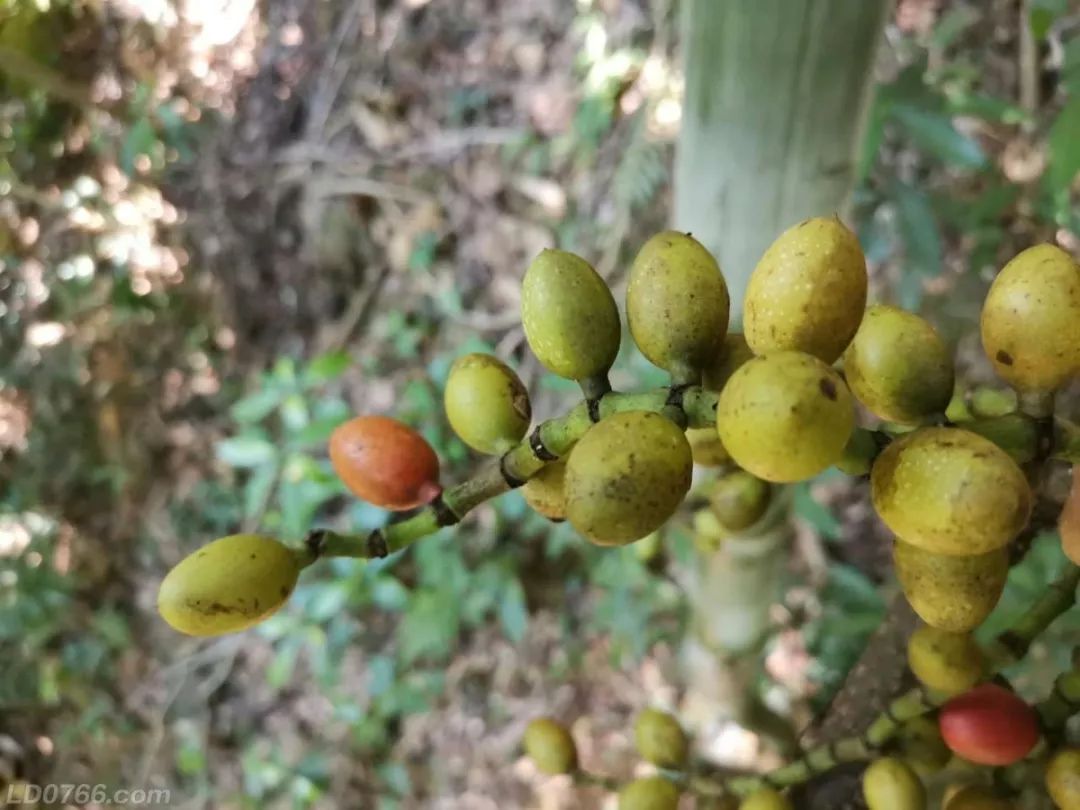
pixel 385 462
pixel 989 725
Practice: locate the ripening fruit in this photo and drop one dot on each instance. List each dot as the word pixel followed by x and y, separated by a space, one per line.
pixel 808 291
pixel 898 366
pixel 228 585
pixel 626 476
pixel 486 404
pixel 1031 319
pixel 739 500
pixel 977 797
pixel 919 743
pixel 1063 779
pixel 950 491
pixel 707 449
pixel 785 416
pixel 677 304
pixel 766 799
pixel 949 592
pixel 989 725
pixel 649 793
pixel 550 746
pixel 732 355
pixel 545 492
pixel 1069 522
pixel 946 662
pixel 660 739
pixel 385 462
pixel 569 315
pixel 889 784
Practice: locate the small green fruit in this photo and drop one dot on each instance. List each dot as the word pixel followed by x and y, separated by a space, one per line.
pixel 677 304
pixel 661 740
pixel 570 318
pixel 706 447
pixel 626 476
pixel 1063 779
pixel 545 491
pixel 649 793
pixel 920 744
pixel 859 453
pixel 808 291
pixel 946 662
pixel 733 354
pixel 785 416
pixel 990 402
pixel 739 500
pixel 550 746
pixel 947 591
pixel 889 784
pixel 766 799
pixel 486 403
pixel 977 797
pixel 1015 433
pixel 228 585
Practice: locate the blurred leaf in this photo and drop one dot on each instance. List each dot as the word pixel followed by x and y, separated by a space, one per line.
pixel 280 670
pixel 1043 14
pixel 257 490
pixel 389 594
pixel 380 674
pixel 1064 148
pixel 849 588
pixel 316 433
pixel 327 600
pixel 422 256
pixel 430 626
pixel 294 413
pixel 324 368
pixel 815 513
pixel 952 24
pixel 922 239
pixel 513 615
pixel 246 451
pixel 256 405
pixel 140 140
pixel 935 133
pixel 396 777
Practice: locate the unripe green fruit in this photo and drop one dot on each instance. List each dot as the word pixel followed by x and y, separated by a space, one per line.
pixel 228 585
pixel 950 663
pixel 486 403
pixel 785 416
pixel 707 449
pixel 677 304
pixel 1063 779
pixel 545 492
pixel 1016 434
pixel 649 793
pixel 889 784
pixel 739 500
pixel 808 291
pixel 626 476
pixel 1031 319
pixel 766 799
pixel 950 491
pixel 569 315
pixel 733 355
pixel 958 409
pixel 859 453
pixel 989 402
pixel 660 739
pixel 898 366
pixel 550 746
pixel 977 797
pixel 919 743
pixel 947 591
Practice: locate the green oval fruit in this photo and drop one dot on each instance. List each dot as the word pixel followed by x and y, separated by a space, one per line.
pixel 859 453
pixel 950 491
pixel 545 492
pixel 707 449
pixel 889 784
pixel 950 663
pixel 977 797
pixel 1031 319
pixel 808 291
pixel 486 403
pixel 785 416
pixel 570 318
pixel 626 476
pixel 947 591
pixel 920 744
pixel 1063 779
pixel 990 402
pixel 677 304
pixel 1015 433
pixel 660 739
pixel 732 355
pixel 550 746
pixel 228 585
pixel 649 793
pixel 766 799
pixel 739 499
pixel 898 366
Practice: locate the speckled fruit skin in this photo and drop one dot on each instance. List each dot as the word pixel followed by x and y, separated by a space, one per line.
pixel 570 318
pixel 677 304
pixel 989 725
pixel 950 592
pixel 486 403
pixel 549 745
pixel 785 416
pixel 766 799
pixel 1031 319
pixel 808 291
pixel 950 663
pixel 731 356
pixel 649 793
pixel 950 491
pixel 1069 521
pixel 228 585
pixel 898 366
pixel 976 797
pixel 660 739
pixel 626 476
pixel 889 784
pixel 385 462
pixel 1063 779
pixel 545 491
pixel 706 446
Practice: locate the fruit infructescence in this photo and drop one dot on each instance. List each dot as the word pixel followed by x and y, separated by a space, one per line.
pixel 486 403
pixel 549 745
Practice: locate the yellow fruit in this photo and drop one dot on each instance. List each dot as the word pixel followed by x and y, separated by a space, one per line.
pixel 1063 779
pixel 550 746
pixel 626 476
pixel 766 799
pixel 1031 319
pixel 808 291
pixel 950 663
pixel 706 446
pixel 919 743
pixel 569 315
pixel 228 585
pixel 649 793
pixel 486 403
pixel 950 592
pixel 732 355
pixel 976 797
pixel 889 784
pixel 660 739
pixel 950 491
pixel 544 492
pixel 1069 520
pixel 785 416
pixel 898 366
pixel 739 500
pixel 677 304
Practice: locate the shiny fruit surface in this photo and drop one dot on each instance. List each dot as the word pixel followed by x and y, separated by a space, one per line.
pixel 385 462
pixel 989 725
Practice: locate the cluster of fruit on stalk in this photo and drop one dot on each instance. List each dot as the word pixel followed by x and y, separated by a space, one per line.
pixel 772 407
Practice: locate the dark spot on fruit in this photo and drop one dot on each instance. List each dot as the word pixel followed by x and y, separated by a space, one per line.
pixel 253 556
pixel 828 388
pixel 284 591
pixel 1004 357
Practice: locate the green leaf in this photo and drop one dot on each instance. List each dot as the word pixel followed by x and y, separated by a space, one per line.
pixel 325 367
pixel 815 513
pixel 294 413
pixel 317 433
pixel 513 614
pixel 257 489
pixel 1064 148
pixel 256 405
pixel 140 140
pixel 389 594
pixel 246 451
pixel 430 626
pixel 396 777
pixel 934 132
pixel 922 241
pixel 380 674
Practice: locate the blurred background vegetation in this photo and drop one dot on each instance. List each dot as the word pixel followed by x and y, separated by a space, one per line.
pixel 227 225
